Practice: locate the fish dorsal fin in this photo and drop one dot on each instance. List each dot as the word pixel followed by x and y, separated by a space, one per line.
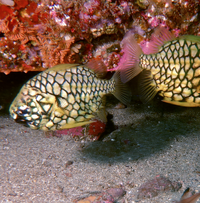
pixel 160 36
pixel 98 66
pixel 147 87
pixel 191 38
pixel 122 91
pixel 62 67
pixel 129 63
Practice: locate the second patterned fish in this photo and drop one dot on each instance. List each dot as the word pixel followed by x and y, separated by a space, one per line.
pixel 170 66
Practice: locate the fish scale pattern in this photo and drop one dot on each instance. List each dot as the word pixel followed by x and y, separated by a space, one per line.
pixel 176 70
pixel 57 99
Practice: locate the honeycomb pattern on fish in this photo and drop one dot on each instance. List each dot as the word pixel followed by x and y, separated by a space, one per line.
pixel 176 70
pixel 58 99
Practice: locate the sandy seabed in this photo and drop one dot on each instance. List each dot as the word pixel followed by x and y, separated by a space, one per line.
pixel 37 168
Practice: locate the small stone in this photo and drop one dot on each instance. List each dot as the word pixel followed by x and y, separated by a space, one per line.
pixel 69 163
pixel 154 186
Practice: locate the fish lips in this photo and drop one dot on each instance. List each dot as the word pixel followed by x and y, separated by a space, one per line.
pixel 21 116
pixel 22 120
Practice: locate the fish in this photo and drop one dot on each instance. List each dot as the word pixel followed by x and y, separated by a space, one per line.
pixel 65 96
pixel 167 65
pixel 187 197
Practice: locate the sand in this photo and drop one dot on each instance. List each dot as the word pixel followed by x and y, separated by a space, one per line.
pixel 153 139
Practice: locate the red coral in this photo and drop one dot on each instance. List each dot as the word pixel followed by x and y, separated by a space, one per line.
pixel 41 27
pixel 5 11
pixel 21 4
pixel 31 8
pixel 78 131
pixel 96 129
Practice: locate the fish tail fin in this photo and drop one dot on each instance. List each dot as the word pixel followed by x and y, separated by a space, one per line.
pixel 129 63
pixel 122 91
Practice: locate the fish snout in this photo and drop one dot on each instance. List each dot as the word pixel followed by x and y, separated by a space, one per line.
pixel 21 114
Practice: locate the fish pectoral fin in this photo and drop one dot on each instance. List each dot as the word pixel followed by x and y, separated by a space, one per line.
pixel 102 115
pixel 147 87
pixel 183 104
pixel 122 91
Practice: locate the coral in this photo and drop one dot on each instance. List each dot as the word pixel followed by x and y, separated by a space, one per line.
pixel 38 34
pixel 92 131
pixel 78 131
pixel 7 2
pixel 95 129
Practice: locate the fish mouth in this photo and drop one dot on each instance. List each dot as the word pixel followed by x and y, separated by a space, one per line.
pixel 21 120
pixel 21 115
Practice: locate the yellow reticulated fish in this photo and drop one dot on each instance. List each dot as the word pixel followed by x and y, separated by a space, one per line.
pixel 169 65
pixel 65 96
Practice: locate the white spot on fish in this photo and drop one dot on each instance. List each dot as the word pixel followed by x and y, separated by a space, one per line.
pixel 76 106
pixel 59 79
pixel 186 92
pixel 186 50
pixel 80 118
pixel 56 120
pixel 50 79
pixel 56 88
pixel 35 110
pixel 71 99
pixel 182 74
pixel 70 121
pixel 49 88
pixel 177 46
pixel 190 74
pixel 177 90
pixel 73 87
pixel 175 54
pixel 183 83
pixel 188 43
pixel 63 102
pixel 193 51
pixel 197 100
pixel 35 116
pixel 181 42
pixel 73 113
pixel 190 99
pixel 43 88
pixel 178 97
pixel 68 77
pixel 52 72
pixel 38 97
pixel 46 107
pixel 63 93
pixel 37 84
pixel 172 47
pixel 49 124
